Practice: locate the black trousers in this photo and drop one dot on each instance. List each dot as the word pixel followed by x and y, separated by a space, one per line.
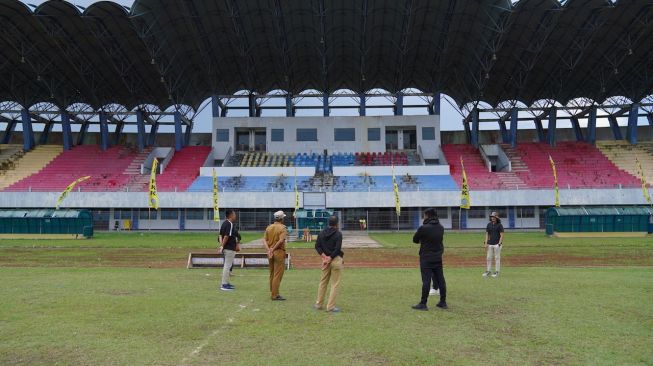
pixel 432 271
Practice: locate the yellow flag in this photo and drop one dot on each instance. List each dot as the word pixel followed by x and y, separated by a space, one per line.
pixel 154 196
pixel 296 193
pixel 395 188
pixel 70 187
pixel 216 206
pixel 642 179
pixel 555 182
pixel 464 193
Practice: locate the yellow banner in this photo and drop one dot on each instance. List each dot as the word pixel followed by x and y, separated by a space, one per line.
pixel 216 206
pixel 555 182
pixel 465 202
pixel 296 193
pixel 70 187
pixel 642 179
pixel 154 196
pixel 395 188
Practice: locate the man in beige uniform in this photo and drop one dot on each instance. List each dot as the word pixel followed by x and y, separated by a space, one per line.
pixel 275 244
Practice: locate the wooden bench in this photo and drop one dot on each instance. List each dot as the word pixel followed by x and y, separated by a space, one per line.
pixel 242 260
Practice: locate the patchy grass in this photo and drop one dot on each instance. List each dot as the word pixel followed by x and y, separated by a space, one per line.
pixel 176 317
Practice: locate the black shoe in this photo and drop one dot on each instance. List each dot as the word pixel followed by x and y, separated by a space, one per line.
pixel 442 305
pixel 421 307
pixel 278 298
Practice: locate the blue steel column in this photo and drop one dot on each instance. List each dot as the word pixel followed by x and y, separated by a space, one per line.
pixel 325 105
pixel 215 106
pixel 45 135
pixel 81 136
pixel 436 103
pixel 399 105
pixel 104 131
pixel 153 130
pixel 140 130
pixel 514 120
pixel 539 128
pixel 118 132
pixel 650 119
pixel 551 133
pixel 252 105
pixel 633 115
pixel 361 105
pixel 28 134
pixel 11 125
pixel 475 127
pixel 614 125
pixel 66 131
pixel 591 126
pixel 505 137
pixel 290 111
pixel 179 143
pixel 577 131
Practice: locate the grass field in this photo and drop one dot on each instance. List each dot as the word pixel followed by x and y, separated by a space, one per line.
pixel 96 302
pixel 175 316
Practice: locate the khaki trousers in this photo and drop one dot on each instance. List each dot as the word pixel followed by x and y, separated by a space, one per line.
pixel 493 251
pixel 277 267
pixel 331 273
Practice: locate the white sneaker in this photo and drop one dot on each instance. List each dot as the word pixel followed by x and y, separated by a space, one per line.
pixel 434 292
pixel 486 273
pixel 495 274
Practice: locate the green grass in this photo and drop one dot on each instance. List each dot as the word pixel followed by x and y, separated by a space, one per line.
pixel 135 239
pixel 175 316
pixel 512 239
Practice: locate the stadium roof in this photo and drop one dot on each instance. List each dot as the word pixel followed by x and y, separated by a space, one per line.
pixel 182 52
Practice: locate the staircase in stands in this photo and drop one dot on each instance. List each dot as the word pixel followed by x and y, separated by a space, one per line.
pixel 138 182
pixel 511 179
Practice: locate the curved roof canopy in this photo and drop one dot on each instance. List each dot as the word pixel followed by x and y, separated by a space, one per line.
pixel 181 52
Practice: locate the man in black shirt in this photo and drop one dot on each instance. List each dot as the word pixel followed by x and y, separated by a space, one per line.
pixel 493 242
pixel 229 239
pixel 430 236
pixel 329 247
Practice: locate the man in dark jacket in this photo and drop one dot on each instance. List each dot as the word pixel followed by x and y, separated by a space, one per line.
pixel 329 247
pixel 430 236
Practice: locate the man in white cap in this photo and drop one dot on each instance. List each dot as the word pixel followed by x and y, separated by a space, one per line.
pixel 275 244
pixel 493 242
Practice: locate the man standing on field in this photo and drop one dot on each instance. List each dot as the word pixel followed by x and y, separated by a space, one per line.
pixel 430 236
pixel 493 242
pixel 329 247
pixel 229 245
pixel 275 244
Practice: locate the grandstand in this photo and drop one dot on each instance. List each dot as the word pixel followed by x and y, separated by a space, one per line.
pixel 319 106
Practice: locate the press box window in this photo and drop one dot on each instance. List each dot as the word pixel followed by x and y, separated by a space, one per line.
pixel 276 134
pixel 307 134
pixel 476 213
pixel 169 214
pixel 344 134
pixel 428 133
pixel 373 134
pixel 145 215
pixel 194 214
pixel 222 135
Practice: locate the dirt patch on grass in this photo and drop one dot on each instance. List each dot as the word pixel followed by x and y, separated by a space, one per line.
pixel 301 258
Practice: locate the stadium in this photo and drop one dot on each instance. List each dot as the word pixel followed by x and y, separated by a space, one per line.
pixel 154 117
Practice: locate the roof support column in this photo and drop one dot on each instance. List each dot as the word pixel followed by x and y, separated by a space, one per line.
pixel 187 134
pixel 153 130
pixel 104 131
pixel 361 105
pixel 591 126
pixel 514 120
pixel 553 120
pixel 633 115
pixel 82 133
pixel 539 128
pixel 252 105
pixel 577 131
pixel 118 132
pixel 614 125
pixel 505 137
pixel 468 134
pixel 650 119
pixel 215 106
pixel 399 104
pixel 45 135
pixel 434 107
pixel 179 143
pixel 325 105
pixel 28 134
pixel 290 109
pixel 475 127
pixel 66 131
pixel 11 125
pixel 140 130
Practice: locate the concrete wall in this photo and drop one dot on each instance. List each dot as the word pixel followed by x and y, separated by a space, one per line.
pixel 342 171
pixel 325 133
pixel 544 197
